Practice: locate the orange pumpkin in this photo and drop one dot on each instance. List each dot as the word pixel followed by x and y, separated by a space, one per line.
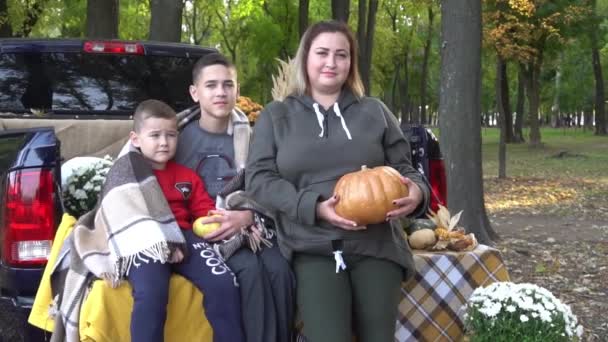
pixel 366 196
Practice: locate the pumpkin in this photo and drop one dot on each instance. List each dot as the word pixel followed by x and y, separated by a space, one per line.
pixel 417 224
pixel 366 196
pixel 422 238
pixel 202 229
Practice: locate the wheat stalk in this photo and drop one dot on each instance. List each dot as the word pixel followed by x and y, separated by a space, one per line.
pixel 280 81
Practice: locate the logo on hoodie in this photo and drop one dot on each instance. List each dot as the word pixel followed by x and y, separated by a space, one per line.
pixel 185 188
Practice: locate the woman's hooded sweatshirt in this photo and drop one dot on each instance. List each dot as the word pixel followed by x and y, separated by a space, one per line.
pixel 298 153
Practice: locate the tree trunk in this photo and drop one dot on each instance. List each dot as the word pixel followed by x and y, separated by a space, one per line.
pixel 459 112
pixel 340 10
pixel 502 96
pixel 600 113
pixel 534 99
pixel 166 20
pixel 588 118
pixel 361 23
pixel 404 85
pixel 425 65
pixel 5 25
pixel 557 118
pixel 365 36
pixel 533 91
pixel 102 19
pixel 395 91
pixel 518 135
pixel 199 34
pixel 303 17
pixel 503 108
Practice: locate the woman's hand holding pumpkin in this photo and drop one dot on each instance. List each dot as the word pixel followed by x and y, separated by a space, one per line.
pixel 326 211
pixel 406 205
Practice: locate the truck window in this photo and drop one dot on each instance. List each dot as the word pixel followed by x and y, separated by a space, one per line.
pixel 78 83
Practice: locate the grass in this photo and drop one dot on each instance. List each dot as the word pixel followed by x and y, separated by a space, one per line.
pixel 583 155
pixel 568 174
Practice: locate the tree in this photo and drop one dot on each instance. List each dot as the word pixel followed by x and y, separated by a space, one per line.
pixel 102 19
pixel 425 64
pixel 303 16
pixel 523 30
pixel 5 25
pixel 518 135
pixel 166 20
pixel 503 98
pixel 365 35
pixel 198 18
pixel 459 112
pixel 340 10
pixel 600 113
pixel 504 110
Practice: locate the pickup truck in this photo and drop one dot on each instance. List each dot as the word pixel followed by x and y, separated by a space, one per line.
pixel 64 98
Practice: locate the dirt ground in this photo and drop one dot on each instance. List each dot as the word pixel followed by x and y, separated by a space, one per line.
pixel 558 245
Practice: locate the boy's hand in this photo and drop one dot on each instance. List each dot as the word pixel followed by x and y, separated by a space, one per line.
pixel 176 257
pixel 231 222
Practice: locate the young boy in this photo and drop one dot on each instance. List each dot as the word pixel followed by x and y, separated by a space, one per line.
pixel 155 135
pixel 216 146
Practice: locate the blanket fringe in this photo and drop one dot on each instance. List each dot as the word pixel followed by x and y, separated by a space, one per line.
pixel 159 252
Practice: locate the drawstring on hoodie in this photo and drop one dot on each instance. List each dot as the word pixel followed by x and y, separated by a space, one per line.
pixel 340 264
pixel 321 118
pixel 338 114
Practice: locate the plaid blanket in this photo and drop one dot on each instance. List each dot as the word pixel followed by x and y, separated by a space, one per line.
pixel 132 223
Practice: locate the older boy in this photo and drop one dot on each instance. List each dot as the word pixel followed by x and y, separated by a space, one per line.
pixel 216 147
pixel 155 135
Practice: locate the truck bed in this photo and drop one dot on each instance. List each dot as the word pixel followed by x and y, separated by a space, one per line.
pixel 79 137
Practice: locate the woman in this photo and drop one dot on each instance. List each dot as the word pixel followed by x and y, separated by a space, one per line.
pixel 348 277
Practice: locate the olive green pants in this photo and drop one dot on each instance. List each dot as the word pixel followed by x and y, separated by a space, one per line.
pixel 362 299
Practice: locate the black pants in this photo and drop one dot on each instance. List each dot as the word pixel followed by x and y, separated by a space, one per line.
pixel 267 287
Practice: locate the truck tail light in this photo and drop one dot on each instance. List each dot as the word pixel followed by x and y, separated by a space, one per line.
pixel 113 47
pixel 437 178
pixel 29 217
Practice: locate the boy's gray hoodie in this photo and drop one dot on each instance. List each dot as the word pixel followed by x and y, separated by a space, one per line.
pixel 298 153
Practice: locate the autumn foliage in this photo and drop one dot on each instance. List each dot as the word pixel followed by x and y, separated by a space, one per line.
pixel 517 29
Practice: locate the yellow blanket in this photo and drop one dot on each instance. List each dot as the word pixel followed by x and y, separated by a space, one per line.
pixel 106 313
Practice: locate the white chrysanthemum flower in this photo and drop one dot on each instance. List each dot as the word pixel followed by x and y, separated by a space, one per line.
pixel 545 316
pixel 528 302
pixel 80 194
pixel 82 182
pixel 579 331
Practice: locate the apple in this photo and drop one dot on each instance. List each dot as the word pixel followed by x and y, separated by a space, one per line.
pixel 203 229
